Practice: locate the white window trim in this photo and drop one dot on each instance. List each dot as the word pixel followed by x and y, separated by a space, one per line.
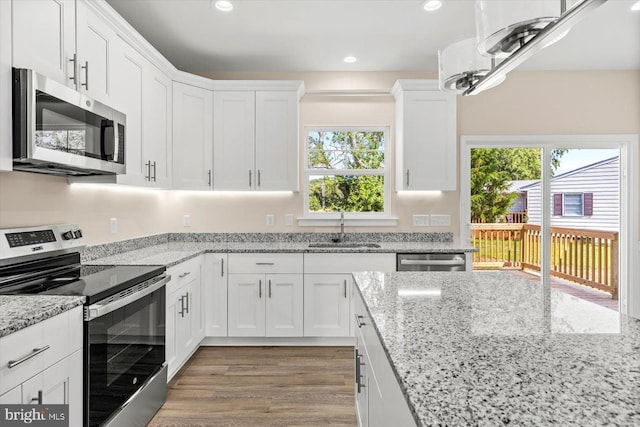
pixel 357 219
pixel 629 236
pixel 564 210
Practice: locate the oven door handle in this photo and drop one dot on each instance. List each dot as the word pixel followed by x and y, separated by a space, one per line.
pixel 97 310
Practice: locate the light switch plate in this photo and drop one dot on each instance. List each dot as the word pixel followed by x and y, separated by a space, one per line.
pixel 114 225
pixel 288 219
pixel 270 220
pixel 420 220
pixel 440 220
pixel 186 220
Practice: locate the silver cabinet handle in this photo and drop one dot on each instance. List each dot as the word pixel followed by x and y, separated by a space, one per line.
pixel 75 62
pixel 209 177
pixel 85 67
pixel 185 274
pixel 249 178
pixel 258 177
pixel 39 398
pixel 181 312
pixel 269 288
pixel 265 263
pixel 345 288
pixel 357 363
pixel 154 171
pixel 148 166
pixel 187 298
pixel 34 353
pixel 222 267
pixel 359 322
pixel 407 178
pixel 259 288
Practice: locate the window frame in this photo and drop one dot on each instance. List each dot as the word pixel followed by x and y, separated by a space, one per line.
pixel 386 174
pixel 564 205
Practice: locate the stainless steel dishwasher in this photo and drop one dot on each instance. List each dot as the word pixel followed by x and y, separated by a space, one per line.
pixel 431 262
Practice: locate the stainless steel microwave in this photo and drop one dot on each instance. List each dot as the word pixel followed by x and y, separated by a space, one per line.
pixel 58 130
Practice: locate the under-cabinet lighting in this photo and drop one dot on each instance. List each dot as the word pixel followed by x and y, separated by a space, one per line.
pixel 350 59
pixel 635 7
pixel 224 5
pixel 432 5
pixel 431 293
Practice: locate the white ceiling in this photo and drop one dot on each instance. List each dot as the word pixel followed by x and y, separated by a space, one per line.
pixel 385 35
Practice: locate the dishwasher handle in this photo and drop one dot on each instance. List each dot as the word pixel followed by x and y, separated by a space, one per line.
pixel 447 262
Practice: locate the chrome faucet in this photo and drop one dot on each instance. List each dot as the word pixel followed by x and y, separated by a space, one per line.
pixel 341 226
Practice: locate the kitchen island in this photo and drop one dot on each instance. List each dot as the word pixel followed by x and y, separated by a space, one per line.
pixel 491 348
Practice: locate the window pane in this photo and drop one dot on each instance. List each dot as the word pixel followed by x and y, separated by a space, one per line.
pixel 349 193
pixel 345 149
pixel 573 204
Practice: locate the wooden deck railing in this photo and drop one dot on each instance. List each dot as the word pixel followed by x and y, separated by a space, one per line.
pixel 588 257
pixel 510 218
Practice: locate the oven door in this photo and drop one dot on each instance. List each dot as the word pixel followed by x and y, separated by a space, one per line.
pixel 124 347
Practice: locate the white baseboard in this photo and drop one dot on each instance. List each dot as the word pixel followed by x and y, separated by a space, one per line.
pixel 272 341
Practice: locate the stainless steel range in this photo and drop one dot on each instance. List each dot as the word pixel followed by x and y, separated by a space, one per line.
pixel 125 373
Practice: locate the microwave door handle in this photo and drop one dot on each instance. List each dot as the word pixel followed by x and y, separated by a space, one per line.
pixel 107 140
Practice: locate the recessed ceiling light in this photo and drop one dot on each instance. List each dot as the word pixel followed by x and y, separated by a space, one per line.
pixel 636 6
pixel 431 5
pixel 224 5
pixel 350 59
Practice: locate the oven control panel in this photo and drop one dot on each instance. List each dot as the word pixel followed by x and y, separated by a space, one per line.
pixel 20 242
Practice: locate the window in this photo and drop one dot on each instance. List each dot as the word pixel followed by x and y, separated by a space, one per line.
pixel 572 204
pixel 346 170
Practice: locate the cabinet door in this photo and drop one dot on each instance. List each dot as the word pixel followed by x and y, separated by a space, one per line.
pixel 362 383
pixel 326 305
pixel 96 41
pixel 128 77
pixel 157 108
pixel 428 146
pixel 233 141
pixel 277 141
pixel 44 37
pixel 192 137
pixel 246 310
pixel 284 305
pixel 194 310
pixel 215 286
pixel 177 330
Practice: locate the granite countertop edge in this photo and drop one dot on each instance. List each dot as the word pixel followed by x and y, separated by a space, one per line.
pixel 18 312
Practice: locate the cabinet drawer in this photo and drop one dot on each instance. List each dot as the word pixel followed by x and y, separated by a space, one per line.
pixel 63 335
pixel 348 263
pixel 183 273
pixel 265 263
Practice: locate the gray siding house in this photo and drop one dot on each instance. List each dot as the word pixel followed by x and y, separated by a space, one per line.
pixel 586 198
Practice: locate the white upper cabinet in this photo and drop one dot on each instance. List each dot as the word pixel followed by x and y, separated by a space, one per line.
pixel 157 125
pixel 192 137
pixel 255 138
pixel 234 118
pixel 277 141
pixel 44 37
pixel 95 43
pixel 425 136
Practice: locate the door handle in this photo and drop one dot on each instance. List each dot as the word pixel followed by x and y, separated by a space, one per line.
pixel 269 288
pixel 154 171
pixel 222 267
pixel 258 177
pixel 358 322
pixel 209 177
pixel 249 177
pixel 181 312
pixel 85 67
pixel 357 363
pixel 259 288
pixel 187 298
pixel 39 398
pixel 148 166
pixel 75 62
pixel 407 178
pixel 345 288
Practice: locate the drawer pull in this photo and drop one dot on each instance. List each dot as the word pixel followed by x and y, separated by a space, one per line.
pixel 34 353
pixel 180 276
pixel 265 263
pixel 358 322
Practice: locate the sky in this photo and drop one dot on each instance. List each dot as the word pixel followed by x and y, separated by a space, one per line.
pixel 574 159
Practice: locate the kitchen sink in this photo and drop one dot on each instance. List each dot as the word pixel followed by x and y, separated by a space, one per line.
pixel 343 245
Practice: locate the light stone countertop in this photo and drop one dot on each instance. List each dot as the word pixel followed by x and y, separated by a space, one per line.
pixel 20 311
pixel 489 349
pixel 173 253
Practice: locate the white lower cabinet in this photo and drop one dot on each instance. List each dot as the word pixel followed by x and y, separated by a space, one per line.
pixel 326 305
pixel 53 373
pixel 184 322
pixel 327 289
pixel 380 401
pixel 215 294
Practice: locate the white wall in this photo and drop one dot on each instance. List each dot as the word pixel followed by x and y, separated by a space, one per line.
pixel 527 103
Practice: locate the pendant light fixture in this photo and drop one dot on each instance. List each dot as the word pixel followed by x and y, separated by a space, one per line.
pixel 461 66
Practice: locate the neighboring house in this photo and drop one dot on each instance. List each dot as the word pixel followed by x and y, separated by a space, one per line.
pixel 520 203
pixel 586 198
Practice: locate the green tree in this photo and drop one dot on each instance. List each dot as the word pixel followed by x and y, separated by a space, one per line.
pixel 492 169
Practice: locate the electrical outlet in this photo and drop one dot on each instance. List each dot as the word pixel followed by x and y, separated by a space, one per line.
pixel 270 220
pixel 288 219
pixel 420 220
pixel 186 220
pixel 114 225
pixel 440 220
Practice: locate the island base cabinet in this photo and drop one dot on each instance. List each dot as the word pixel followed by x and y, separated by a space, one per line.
pixel 385 401
pixel 327 305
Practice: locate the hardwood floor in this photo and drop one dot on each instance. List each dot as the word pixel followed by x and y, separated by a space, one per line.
pixel 262 386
